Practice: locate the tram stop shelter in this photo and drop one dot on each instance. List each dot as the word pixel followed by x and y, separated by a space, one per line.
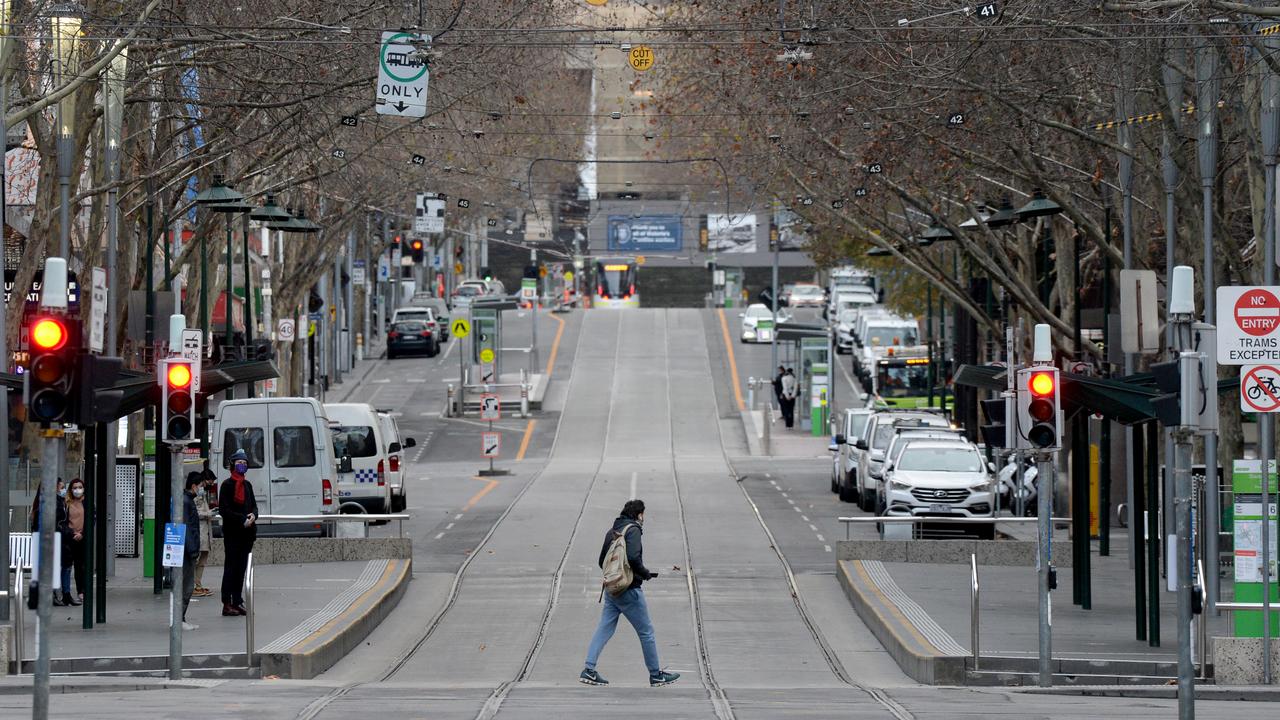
pixel 806 347
pixel 483 364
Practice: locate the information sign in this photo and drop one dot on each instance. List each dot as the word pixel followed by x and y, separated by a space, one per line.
pixel 490 444
pixel 175 541
pixel 402 75
pixel 490 407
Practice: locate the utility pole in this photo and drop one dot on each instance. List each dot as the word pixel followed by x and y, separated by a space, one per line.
pixel 1181 310
pixel 1207 146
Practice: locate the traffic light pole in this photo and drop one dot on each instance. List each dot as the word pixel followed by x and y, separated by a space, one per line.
pixel 1044 558
pixel 44 610
pixel 175 589
pixel 1182 436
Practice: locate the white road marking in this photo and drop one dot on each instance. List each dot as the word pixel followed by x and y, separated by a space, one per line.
pixel 449 526
pixel 804 518
pixel 439 535
pixel 783 494
pixel 452 341
pixel 821 539
pixel 383 381
pixel 633 485
pixel 795 508
pixel 827 548
pixel 458 516
pixel 416 380
pixel 793 502
pixel 812 526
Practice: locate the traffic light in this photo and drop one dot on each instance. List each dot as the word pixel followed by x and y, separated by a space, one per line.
pixel 1201 376
pixel 99 400
pixel 1039 408
pixel 416 250
pixel 51 373
pixel 177 405
pixel 993 434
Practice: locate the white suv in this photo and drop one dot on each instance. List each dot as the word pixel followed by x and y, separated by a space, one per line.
pixel 938 478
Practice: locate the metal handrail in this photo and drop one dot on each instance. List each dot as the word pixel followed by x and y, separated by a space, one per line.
pixel 973 606
pixel 19 620
pixel 248 611
pixel 365 518
pixel 914 519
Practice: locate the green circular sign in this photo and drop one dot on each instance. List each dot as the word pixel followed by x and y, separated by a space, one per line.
pixel 399 59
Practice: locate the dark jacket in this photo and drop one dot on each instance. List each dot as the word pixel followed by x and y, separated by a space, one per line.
pixel 635 550
pixel 191 517
pixel 234 513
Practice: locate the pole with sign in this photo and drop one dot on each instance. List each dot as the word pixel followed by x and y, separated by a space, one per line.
pixel 402 75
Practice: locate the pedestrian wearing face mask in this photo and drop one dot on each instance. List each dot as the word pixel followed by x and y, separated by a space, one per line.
pixel 59 525
pixel 205 515
pixel 73 544
pixel 239 510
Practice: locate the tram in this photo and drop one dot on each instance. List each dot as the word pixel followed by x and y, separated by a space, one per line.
pixel 616 283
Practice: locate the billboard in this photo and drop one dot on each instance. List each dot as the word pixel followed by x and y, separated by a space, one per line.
pixel 792 230
pixel 646 233
pixel 731 233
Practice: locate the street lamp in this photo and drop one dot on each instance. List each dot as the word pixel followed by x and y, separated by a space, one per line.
pixel 65 24
pixel 1004 215
pixel 296 223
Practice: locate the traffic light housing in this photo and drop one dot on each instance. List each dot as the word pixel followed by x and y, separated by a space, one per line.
pixel 417 251
pixel 177 400
pixel 1039 408
pixel 99 400
pixel 993 433
pixel 51 373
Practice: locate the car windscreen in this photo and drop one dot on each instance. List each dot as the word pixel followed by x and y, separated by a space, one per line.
pixel 759 312
pixel 940 459
pixel 354 441
pixel 806 290
pixel 415 326
pixel 856 424
pixel 467 290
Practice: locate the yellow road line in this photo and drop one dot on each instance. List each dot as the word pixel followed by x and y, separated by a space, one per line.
pixel 524 442
pixel 483 491
pixel 733 362
pixel 555 346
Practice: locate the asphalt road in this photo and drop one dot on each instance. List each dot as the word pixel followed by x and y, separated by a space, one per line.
pixel 505 592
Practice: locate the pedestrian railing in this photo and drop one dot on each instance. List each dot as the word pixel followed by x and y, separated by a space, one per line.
pixel 973 607
pixel 19 636
pixel 336 518
pixel 917 519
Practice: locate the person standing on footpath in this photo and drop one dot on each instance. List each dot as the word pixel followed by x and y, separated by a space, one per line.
pixel 789 397
pixel 239 510
pixel 73 544
pixel 205 515
pixel 191 544
pixel 629 602
pixel 59 527
pixel 777 385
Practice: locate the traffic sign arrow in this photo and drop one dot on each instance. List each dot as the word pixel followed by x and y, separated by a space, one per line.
pixel 400 106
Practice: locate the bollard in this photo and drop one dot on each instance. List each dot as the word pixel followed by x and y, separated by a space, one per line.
pixel 359 347
pixel 768 425
pixel 751 393
pixel 448 403
pixel 524 400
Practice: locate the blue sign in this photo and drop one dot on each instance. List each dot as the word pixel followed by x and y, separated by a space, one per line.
pixel 175 534
pixel 647 233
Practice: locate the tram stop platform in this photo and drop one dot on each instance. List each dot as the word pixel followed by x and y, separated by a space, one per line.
pixel 918 604
pixel 781 441
pixel 507 388
pixel 307 616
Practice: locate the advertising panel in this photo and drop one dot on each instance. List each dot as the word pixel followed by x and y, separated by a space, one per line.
pixel 731 233
pixel 646 233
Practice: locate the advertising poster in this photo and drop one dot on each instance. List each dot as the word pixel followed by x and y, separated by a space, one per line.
pixel 791 231
pixel 646 233
pixel 731 233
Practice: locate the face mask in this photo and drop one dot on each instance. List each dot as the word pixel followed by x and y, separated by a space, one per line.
pixel 78 492
pixel 62 493
pixel 241 467
pixel 200 492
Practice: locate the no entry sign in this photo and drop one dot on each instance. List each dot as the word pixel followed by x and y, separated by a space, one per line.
pixel 1248 325
pixel 1260 388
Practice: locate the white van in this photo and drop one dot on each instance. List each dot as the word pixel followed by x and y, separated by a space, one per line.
pixel 357 434
pixel 395 447
pixel 292 467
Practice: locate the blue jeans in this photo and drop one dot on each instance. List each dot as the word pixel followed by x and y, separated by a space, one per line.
pixel 631 604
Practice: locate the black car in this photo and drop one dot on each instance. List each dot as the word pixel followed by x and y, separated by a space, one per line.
pixel 410 337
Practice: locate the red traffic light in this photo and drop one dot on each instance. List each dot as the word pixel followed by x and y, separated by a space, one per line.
pixel 1042 384
pixel 179 376
pixel 49 334
pixel 417 244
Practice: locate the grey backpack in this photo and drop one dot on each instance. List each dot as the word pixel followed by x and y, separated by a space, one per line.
pixel 617 571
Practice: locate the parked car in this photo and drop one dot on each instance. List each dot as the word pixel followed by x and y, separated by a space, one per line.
pixel 495 287
pixel 292 465
pixel 757 323
pixel 875 442
pixel 784 294
pixel 467 292
pixel 409 337
pixel 395 447
pixel 939 478
pixel 806 295
pixel 844 464
pixel 439 310
pixel 357 434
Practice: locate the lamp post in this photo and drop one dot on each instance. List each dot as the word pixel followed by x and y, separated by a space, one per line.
pixel 296 222
pixel 65 20
pixel 935 233
pixel 5 14
pixel 267 214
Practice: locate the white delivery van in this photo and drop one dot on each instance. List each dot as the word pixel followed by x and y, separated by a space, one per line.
pixel 357 434
pixel 395 447
pixel 292 467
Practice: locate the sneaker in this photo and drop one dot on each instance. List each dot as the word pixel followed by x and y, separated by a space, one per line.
pixel 662 677
pixel 189 626
pixel 591 677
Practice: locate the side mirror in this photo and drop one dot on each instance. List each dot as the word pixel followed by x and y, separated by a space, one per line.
pixel 742 314
pixel 394 447
pixel 860 444
pixel 410 442
pixel 344 464
pixel 840 439
pixel 991 467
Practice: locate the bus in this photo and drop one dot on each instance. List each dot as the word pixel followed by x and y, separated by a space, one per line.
pixel 616 283
pixel 903 381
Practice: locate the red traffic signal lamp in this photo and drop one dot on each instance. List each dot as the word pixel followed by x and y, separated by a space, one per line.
pixel 416 250
pixel 51 372
pixel 1039 409
pixel 177 408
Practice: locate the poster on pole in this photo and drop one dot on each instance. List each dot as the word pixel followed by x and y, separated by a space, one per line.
pixel 175 541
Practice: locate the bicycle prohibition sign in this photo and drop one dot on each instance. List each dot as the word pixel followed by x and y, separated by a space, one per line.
pixel 1260 389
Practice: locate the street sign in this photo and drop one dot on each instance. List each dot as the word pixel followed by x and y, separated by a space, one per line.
pixel 490 444
pixel 457 268
pixel 402 75
pixel 486 355
pixel 486 373
pixel 98 315
pixel 640 259
pixel 384 268
pixel 357 272
pixel 175 542
pixel 490 407
pixel 460 328
pixel 641 58
pixel 1139 326
pixel 285 329
pixel 1260 388
pixel 193 350
pixel 428 216
pixel 1248 325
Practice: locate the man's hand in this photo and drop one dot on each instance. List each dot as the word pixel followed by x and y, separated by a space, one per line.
pixel 652 575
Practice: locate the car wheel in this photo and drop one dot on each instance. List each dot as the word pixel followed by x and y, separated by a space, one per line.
pixel 847 494
pixel 866 500
pixel 835 484
pixel 391 355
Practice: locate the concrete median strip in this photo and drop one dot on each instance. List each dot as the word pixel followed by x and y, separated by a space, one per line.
pixel 320 641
